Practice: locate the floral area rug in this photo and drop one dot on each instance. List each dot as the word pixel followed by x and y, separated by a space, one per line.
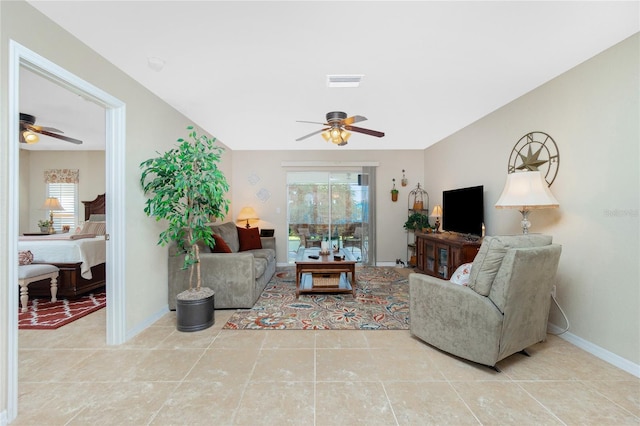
pixel 381 303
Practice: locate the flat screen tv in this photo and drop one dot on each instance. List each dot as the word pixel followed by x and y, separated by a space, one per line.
pixel 463 210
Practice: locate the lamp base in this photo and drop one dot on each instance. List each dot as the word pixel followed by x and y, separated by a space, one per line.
pixel 525 221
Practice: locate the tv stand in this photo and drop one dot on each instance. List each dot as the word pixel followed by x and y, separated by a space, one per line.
pixel 439 255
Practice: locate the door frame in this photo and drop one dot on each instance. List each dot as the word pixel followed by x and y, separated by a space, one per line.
pixel 115 110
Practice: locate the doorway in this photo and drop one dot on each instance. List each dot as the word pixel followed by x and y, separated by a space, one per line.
pixel 331 206
pixel 21 57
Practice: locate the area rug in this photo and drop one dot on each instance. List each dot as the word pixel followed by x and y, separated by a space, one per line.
pixel 381 303
pixel 42 314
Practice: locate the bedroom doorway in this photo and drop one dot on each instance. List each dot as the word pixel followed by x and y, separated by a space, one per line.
pixel 22 58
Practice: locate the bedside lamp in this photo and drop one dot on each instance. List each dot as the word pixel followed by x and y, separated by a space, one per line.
pixel 247 213
pixel 51 204
pixel 526 191
pixel 437 212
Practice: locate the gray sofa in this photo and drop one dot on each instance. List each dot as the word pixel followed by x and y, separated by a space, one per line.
pixel 503 310
pixel 237 278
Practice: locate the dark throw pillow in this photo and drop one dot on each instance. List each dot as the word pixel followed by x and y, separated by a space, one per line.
pixel 221 245
pixel 249 239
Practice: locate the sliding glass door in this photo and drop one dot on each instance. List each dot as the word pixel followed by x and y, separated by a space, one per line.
pixel 331 205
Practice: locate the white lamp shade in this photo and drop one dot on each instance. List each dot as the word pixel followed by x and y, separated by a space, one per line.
pixel 526 191
pixel 437 210
pixel 52 203
pixel 247 213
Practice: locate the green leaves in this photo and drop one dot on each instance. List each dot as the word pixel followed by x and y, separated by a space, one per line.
pixel 185 187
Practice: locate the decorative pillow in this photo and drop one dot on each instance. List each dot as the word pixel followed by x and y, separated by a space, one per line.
pixel 25 257
pixel 461 275
pixel 220 245
pixel 249 239
pixel 98 228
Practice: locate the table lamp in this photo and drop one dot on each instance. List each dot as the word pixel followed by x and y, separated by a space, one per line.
pixel 437 212
pixel 51 204
pixel 247 213
pixel 526 191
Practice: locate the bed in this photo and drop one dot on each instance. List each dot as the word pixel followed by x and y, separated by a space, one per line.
pixel 80 257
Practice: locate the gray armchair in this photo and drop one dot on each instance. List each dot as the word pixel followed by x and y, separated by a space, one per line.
pixel 503 310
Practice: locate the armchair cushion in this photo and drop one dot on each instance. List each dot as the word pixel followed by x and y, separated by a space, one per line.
pixel 492 251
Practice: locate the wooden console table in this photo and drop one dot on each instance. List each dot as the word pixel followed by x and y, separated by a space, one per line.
pixel 439 255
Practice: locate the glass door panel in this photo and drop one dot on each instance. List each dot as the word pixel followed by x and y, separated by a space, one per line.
pixel 327 205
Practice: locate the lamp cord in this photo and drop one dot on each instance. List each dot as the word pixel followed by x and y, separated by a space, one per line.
pixel 566 320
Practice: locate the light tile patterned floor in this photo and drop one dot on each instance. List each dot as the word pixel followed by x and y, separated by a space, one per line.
pixel 70 377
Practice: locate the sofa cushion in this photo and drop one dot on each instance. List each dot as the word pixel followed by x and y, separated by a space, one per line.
pixel 249 239
pixel 261 266
pixel 229 233
pixel 492 251
pixel 220 246
pixel 265 253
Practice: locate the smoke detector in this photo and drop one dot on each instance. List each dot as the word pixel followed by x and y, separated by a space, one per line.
pixel 344 80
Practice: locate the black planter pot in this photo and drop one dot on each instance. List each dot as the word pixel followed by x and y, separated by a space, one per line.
pixel 195 315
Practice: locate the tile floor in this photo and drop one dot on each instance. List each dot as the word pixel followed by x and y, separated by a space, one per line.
pixel 162 377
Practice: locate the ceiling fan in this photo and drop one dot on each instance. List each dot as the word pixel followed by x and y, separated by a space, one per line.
pixel 338 127
pixel 29 131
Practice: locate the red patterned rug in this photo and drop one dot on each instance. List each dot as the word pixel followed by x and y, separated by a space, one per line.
pixel 381 303
pixel 45 315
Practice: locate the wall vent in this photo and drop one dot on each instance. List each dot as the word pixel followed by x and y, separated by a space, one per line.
pixel 344 80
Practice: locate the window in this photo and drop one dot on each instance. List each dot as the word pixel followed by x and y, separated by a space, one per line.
pixel 63 185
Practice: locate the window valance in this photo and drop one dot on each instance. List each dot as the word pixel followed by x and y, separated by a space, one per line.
pixel 61 176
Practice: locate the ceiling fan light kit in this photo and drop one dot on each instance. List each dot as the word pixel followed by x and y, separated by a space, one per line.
pixel 340 127
pixel 29 131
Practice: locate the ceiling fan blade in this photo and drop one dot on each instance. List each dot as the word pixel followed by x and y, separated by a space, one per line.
pixel 57 136
pixel 37 128
pixel 354 119
pixel 312 122
pixel 365 131
pixel 311 134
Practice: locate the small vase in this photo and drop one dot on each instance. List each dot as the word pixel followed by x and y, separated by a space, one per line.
pixel 394 196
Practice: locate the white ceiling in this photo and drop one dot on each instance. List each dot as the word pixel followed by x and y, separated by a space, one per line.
pixel 58 107
pixel 246 71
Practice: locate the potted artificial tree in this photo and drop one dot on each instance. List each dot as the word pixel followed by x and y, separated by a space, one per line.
pixel 185 187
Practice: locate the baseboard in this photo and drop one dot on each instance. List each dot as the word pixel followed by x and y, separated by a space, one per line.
pixel 3 418
pixel 603 354
pixel 386 264
pixel 147 323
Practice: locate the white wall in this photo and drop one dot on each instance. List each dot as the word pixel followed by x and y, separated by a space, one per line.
pixel 592 112
pixel 391 237
pixel 151 125
pixel 90 164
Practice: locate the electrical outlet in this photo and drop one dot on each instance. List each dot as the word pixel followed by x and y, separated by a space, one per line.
pixel 553 291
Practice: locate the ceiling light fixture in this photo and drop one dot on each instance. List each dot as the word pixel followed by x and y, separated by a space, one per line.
pixel 30 137
pixel 344 80
pixel 155 63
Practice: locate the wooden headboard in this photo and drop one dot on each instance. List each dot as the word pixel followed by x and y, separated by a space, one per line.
pixel 96 206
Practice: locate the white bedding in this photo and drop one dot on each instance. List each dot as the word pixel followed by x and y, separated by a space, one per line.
pixel 52 249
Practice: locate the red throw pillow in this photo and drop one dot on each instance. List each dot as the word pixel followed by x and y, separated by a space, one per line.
pixel 221 245
pixel 249 239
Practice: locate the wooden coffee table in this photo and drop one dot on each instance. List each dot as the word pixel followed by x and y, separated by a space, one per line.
pixel 334 274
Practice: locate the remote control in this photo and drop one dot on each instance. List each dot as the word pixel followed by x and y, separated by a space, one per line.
pixel 314 257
